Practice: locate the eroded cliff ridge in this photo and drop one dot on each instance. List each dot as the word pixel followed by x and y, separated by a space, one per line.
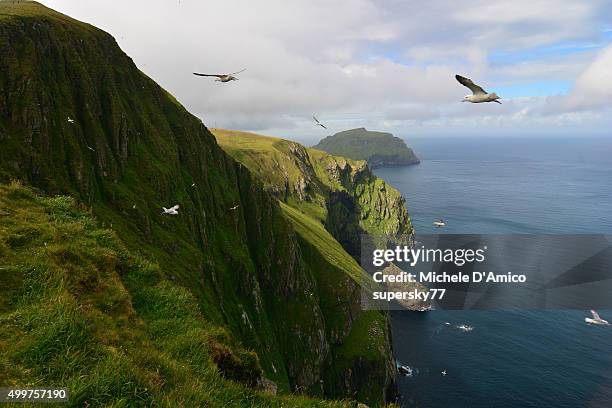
pixel 342 194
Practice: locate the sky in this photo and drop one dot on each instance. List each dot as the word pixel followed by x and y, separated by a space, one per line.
pixel 386 65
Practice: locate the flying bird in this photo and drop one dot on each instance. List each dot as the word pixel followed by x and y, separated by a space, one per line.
pixel 317 123
pixel 479 95
pixel 170 211
pixel 596 319
pixel 70 120
pixel 443 372
pixel 91 148
pixel 222 77
pixel 234 207
pixel 439 223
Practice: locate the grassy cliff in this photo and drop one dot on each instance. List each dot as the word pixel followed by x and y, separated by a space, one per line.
pixel 379 149
pixel 340 193
pixel 80 310
pixel 229 299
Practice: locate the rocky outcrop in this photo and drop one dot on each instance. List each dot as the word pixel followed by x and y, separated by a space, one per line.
pixel 379 149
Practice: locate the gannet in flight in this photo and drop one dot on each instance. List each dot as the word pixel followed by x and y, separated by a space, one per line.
pixel 222 77
pixel 596 319
pixel 443 372
pixel 439 223
pixel 171 210
pixel 317 123
pixel 479 95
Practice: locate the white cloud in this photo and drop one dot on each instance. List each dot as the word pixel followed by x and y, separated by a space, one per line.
pixel 352 62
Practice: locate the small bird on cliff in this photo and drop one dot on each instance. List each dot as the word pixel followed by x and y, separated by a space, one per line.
pixel 317 123
pixel 170 211
pixel 222 77
pixel 479 95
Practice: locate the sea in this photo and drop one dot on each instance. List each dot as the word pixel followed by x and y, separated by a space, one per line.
pixel 525 358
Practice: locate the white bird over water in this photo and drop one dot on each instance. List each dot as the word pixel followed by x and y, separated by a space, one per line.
pixel 596 319
pixel 479 95
pixel 439 223
pixel 443 372
pixel 171 210
pixel 222 77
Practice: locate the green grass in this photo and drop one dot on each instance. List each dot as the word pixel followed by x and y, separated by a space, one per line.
pixel 85 313
pixel 377 207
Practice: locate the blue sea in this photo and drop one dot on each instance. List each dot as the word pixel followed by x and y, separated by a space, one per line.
pixel 530 358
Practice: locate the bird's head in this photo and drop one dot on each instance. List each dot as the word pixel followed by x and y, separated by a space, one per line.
pixel 466 98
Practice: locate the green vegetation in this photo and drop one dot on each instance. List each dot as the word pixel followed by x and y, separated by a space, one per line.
pixel 340 193
pixel 127 307
pixel 380 149
pixel 81 311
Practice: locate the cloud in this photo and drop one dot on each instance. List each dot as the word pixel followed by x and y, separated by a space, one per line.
pixel 592 89
pixel 352 62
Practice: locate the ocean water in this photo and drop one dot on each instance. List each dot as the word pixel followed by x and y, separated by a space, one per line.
pixel 529 358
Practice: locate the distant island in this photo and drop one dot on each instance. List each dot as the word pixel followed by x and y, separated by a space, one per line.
pixel 379 149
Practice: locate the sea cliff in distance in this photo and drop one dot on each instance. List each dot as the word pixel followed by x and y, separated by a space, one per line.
pixel 379 149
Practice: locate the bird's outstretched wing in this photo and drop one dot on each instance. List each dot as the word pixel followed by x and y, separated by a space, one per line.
pixel 176 207
pixel 595 315
pixel 471 85
pixel 208 75
pixel 237 72
pixel 319 123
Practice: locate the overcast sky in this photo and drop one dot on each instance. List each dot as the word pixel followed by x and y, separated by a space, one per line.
pixel 385 65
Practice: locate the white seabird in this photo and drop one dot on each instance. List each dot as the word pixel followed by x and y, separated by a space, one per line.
pixel 439 223
pixel 443 372
pixel 479 95
pixel 317 123
pixel 465 328
pixel 171 210
pixel 222 77
pixel 70 120
pixel 234 207
pixel 596 319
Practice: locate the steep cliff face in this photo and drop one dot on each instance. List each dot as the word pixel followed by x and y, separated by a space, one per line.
pixel 78 118
pixel 332 200
pixel 341 193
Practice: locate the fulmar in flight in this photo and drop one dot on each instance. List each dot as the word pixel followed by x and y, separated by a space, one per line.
pixel 222 77
pixel 317 123
pixel 479 95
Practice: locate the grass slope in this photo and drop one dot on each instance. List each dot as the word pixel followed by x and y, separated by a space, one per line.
pixel 81 311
